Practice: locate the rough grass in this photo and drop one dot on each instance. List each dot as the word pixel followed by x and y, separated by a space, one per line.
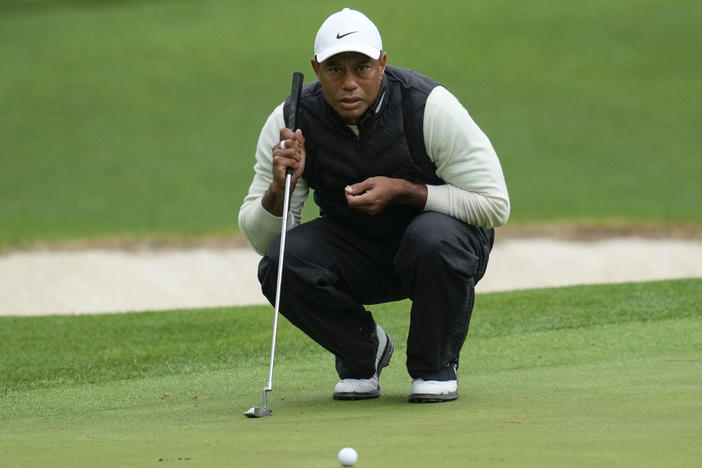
pixel 124 118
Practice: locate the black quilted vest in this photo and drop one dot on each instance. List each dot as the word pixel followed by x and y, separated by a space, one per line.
pixel 390 143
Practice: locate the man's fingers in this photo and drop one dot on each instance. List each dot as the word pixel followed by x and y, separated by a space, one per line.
pixel 299 137
pixel 359 188
pixel 290 137
pixel 288 149
pixel 288 153
pixel 353 197
pixel 284 144
pixel 286 134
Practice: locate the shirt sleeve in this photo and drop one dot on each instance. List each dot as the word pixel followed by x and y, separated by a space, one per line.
pixel 259 226
pixel 475 191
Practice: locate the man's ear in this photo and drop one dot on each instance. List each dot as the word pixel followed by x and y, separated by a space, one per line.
pixel 382 61
pixel 315 66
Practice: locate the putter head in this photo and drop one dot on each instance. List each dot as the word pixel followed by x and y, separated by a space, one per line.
pixel 257 412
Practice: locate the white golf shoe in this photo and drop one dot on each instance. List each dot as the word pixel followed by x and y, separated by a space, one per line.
pixel 433 391
pixel 363 389
pixel 357 389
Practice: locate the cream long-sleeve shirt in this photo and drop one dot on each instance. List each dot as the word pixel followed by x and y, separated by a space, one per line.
pixel 475 191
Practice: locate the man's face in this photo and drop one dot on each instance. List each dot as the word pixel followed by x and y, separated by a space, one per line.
pixel 350 82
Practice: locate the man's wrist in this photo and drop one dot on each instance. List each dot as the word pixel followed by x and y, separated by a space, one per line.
pixel 412 194
pixel 272 201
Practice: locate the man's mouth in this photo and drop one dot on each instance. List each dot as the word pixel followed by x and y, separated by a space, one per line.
pixel 350 102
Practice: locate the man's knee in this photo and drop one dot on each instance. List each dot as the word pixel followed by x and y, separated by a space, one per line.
pixel 302 260
pixel 267 269
pixel 268 266
pixel 426 233
pixel 435 240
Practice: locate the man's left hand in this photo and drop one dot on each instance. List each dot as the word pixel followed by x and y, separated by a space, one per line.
pixel 374 194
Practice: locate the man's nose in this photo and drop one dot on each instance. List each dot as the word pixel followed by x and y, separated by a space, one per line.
pixel 349 82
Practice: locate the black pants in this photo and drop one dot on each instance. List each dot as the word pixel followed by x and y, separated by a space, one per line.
pixel 330 273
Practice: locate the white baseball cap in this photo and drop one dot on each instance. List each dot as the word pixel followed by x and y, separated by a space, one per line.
pixel 347 31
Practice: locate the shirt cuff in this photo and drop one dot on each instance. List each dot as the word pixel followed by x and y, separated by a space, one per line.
pixel 264 224
pixel 438 198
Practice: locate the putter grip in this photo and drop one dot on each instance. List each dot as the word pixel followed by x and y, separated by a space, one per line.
pixel 295 103
pixel 295 99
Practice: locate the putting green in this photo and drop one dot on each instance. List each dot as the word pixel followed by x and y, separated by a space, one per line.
pixel 621 392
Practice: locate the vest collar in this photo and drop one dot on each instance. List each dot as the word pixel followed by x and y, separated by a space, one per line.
pixel 381 101
pixel 373 110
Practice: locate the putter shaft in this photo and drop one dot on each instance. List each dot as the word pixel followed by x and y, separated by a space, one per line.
pixel 283 231
pixel 295 93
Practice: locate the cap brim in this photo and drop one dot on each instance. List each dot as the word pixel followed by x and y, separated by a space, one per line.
pixel 364 49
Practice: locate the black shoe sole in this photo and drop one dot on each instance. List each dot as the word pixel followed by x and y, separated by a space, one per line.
pixel 432 398
pixel 344 396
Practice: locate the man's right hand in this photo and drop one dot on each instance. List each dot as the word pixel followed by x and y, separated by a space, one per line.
pixel 293 157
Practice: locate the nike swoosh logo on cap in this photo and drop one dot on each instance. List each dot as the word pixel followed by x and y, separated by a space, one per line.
pixel 339 36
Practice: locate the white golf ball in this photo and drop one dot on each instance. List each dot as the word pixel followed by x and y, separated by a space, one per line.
pixel 347 456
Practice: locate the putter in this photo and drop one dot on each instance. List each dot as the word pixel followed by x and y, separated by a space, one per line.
pixel 256 411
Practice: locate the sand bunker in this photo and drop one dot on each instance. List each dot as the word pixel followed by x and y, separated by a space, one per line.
pixel 107 280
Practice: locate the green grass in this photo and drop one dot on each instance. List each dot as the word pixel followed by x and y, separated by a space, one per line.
pixel 580 376
pixel 125 118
